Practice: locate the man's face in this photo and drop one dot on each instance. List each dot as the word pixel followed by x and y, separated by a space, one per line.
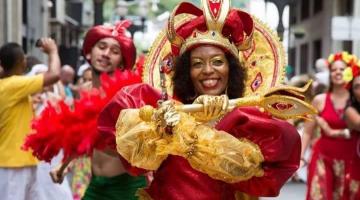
pixel 105 56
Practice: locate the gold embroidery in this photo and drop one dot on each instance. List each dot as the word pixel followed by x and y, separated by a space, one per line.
pixel 244 196
pixel 339 179
pixel 316 191
pixel 354 189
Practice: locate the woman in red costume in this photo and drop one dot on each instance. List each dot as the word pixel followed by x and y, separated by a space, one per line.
pixel 352 118
pixel 214 153
pixel 328 171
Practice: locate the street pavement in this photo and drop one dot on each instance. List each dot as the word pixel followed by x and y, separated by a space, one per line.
pixel 290 191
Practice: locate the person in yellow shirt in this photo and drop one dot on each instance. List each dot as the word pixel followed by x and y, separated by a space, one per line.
pixel 17 167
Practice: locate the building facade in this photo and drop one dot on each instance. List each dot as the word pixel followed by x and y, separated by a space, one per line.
pixel 315 31
pixel 25 21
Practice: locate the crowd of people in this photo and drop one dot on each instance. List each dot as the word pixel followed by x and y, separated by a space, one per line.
pixel 120 127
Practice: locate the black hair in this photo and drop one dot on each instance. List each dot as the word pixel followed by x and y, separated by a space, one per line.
pixel 184 89
pixel 10 55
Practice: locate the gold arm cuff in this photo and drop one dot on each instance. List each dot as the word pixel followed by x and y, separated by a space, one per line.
pixel 137 141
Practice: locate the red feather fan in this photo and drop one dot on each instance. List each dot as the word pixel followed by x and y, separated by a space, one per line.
pixel 75 130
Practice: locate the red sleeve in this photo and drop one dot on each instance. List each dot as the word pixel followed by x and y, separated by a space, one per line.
pixel 134 96
pixel 279 143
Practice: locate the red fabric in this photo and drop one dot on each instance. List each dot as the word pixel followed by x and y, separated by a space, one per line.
pixel 330 150
pixel 279 143
pixel 134 96
pixel 75 130
pixel 118 32
pixel 236 24
pixel 175 179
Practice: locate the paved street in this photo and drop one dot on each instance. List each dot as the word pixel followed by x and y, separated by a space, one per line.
pixel 291 191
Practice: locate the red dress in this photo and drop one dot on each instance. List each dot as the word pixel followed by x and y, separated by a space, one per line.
pixel 175 179
pixel 332 165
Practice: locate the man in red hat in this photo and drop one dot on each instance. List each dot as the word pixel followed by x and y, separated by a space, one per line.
pixel 108 48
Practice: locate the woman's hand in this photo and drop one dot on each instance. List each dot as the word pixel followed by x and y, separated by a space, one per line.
pixel 214 107
pixel 344 133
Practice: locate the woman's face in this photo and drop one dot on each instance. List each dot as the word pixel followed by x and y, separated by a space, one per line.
pixel 87 76
pixel 336 72
pixel 356 88
pixel 209 70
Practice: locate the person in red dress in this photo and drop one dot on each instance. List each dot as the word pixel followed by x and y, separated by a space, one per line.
pixel 215 153
pixel 352 119
pixel 328 170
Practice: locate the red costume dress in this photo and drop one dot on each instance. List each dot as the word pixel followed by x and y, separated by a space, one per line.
pixel 175 179
pixel 332 165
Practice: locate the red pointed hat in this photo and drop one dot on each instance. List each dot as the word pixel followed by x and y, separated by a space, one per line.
pixel 118 32
pixel 215 24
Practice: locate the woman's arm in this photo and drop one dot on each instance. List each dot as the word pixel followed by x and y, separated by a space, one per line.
pixel 352 118
pixel 329 131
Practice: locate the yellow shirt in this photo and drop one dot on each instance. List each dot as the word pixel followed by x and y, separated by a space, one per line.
pixel 16 114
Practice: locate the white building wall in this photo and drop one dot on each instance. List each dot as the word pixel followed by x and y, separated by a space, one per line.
pixel 356 44
pixel 13 21
pixel 37 25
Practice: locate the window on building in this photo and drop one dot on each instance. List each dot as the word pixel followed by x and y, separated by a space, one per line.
pixel 345 7
pixel 317 48
pixel 304 58
pixel 292 61
pixel 317 5
pixel 24 22
pixel 24 12
pixel 347 46
pixel 305 9
pixel 292 56
pixel 53 9
pixel 293 13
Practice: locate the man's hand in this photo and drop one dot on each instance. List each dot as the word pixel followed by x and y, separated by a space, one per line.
pixel 48 45
pixel 57 175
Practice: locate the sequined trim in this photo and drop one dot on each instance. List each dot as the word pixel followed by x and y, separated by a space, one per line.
pixel 316 191
pixel 354 189
pixel 339 179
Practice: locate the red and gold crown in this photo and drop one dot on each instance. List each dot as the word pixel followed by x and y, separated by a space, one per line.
pixel 256 46
pixel 216 24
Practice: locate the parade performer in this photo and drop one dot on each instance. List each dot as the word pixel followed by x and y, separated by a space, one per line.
pixel 214 153
pixel 111 54
pixel 329 168
pixel 333 173
pixel 352 118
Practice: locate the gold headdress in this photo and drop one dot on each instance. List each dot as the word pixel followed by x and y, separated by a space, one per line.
pixel 216 24
pixel 233 30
